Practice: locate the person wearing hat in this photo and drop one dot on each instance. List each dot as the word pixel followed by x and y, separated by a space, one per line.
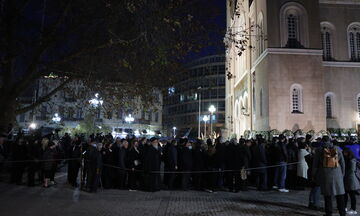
pixel 186 164
pixel 152 160
pixel 171 163
pixel 95 166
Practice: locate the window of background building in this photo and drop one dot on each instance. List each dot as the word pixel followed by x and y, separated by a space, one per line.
pixel 22 117
pixel 43 112
pixel 98 113
pixel 109 115
pixel 79 113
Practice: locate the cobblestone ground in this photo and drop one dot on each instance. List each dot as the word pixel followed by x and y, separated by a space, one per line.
pixel 61 200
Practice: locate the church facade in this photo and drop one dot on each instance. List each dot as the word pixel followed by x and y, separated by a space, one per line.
pixel 292 64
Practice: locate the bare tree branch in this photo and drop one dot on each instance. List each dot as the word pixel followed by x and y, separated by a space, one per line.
pixel 43 98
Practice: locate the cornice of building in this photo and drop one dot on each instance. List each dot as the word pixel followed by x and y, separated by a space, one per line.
pixel 241 78
pixel 285 51
pixel 341 64
pixel 343 2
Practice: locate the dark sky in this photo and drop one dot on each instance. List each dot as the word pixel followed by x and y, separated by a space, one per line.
pixel 217 38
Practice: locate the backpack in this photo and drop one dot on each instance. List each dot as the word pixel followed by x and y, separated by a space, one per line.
pixel 331 158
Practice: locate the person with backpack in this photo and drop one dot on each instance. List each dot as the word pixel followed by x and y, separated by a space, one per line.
pixel 328 171
pixel 350 180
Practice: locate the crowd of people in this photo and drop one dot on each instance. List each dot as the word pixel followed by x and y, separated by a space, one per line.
pixel 282 164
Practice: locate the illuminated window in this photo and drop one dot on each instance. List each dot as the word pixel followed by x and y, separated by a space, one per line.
pixel 328 102
pixel 296 98
pixel 354 42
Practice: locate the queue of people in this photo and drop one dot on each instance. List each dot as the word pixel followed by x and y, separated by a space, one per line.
pixel 282 164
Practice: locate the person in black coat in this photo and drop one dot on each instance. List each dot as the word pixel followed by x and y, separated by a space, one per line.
pixel 219 159
pixel 95 167
pixel 171 163
pixel 151 165
pixel 85 157
pixel 19 156
pixel 198 165
pixel 49 163
pixel 134 163
pixel 186 164
pixel 74 163
pixel 107 174
pixel 3 152
pixel 234 158
pixel 259 160
pixel 34 155
pixel 120 152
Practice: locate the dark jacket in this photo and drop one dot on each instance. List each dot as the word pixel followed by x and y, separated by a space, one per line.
pixel 170 156
pixel 134 159
pixel 186 159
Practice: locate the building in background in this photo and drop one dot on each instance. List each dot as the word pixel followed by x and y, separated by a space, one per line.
pixel 204 82
pixel 300 69
pixel 71 106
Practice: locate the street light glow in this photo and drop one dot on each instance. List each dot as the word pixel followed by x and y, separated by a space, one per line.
pixel 205 118
pixel 212 109
pixel 95 102
pixel 174 128
pixel 33 126
pixel 56 118
pixel 129 119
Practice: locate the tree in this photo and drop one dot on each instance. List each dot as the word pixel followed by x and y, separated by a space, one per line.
pixel 138 44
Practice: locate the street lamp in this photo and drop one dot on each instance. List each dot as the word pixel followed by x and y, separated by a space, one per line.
pixel 199 126
pixel 56 118
pixel 174 128
pixel 33 126
pixel 205 119
pixel 212 109
pixel 95 102
pixel 129 119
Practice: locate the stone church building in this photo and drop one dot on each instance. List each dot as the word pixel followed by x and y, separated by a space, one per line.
pixel 292 64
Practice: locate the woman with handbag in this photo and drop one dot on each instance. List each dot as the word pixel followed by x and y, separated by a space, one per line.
pixel 350 180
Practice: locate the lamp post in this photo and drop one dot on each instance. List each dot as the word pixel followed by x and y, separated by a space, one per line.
pixel 174 128
pixel 212 109
pixel 199 125
pixel 95 102
pixel 129 119
pixel 56 118
pixel 205 119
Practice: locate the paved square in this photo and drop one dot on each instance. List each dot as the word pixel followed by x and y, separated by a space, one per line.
pixel 61 200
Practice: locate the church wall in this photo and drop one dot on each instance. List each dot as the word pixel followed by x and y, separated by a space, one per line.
pixel 344 83
pixel 345 15
pixel 307 71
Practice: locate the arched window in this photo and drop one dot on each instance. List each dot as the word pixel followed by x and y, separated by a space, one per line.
pixel 296 98
pixel 327 31
pixel 328 103
pixel 354 41
pixel 293 25
pixel 260 34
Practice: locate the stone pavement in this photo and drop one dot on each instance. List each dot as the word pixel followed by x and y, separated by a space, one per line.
pixel 61 200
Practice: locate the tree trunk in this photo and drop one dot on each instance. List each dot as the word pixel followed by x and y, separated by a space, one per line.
pixel 7 113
